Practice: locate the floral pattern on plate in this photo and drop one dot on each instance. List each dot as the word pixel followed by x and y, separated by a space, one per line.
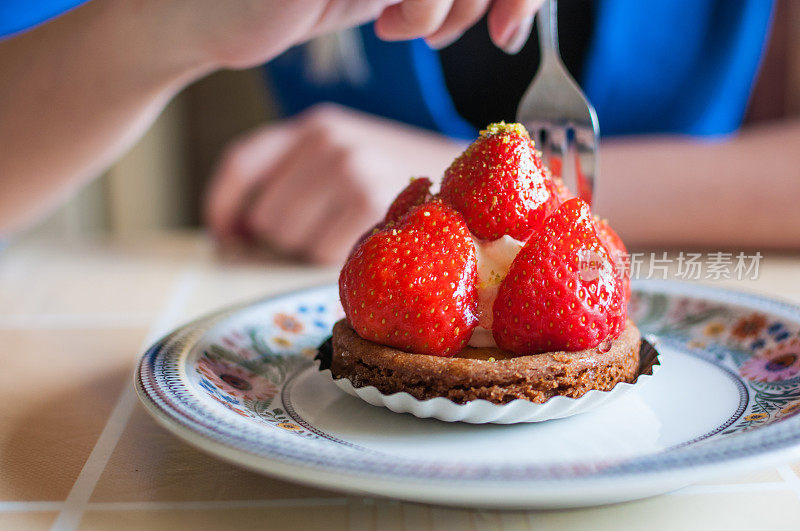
pixel 244 369
pixel 763 349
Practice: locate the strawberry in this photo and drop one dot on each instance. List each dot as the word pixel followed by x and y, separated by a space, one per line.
pixel 559 189
pixel 412 285
pixel 562 291
pixel 584 189
pixel 498 184
pixel 556 181
pixel 618 252
pixel 379 226
pixel 556 170
pixel 417 192
pixel 555 164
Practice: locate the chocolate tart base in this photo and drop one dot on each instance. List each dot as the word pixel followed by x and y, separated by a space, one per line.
pixel 470 375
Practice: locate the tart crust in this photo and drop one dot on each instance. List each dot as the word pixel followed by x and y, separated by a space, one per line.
pixel 470 375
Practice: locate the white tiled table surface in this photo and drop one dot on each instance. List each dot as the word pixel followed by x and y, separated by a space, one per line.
pixel 77 451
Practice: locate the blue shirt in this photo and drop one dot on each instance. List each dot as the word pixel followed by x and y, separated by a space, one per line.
pixel 20 15
pixel 683 66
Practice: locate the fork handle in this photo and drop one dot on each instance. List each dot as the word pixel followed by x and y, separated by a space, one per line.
pixel 548 29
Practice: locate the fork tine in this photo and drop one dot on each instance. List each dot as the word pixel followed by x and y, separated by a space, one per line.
pixel 537 135
pixel 557 145
pixel 555 111
pixel 552 141
pixel 585 162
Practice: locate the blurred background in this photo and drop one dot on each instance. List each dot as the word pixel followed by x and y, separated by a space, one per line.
pixel 160 183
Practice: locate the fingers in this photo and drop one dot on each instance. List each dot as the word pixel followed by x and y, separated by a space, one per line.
pixel 441 22
pixel 296 213
pixel 334 239
pixel 241 169
pixel 302 218
pixel 463 15
pixel 292 205
pixel 340 15
pixel 510 23
pixel 315 186
pixel 411 19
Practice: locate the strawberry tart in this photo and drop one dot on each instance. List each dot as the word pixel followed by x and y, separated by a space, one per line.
pixel 500 287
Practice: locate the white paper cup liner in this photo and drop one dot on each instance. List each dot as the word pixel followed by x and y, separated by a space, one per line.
pixel 519 410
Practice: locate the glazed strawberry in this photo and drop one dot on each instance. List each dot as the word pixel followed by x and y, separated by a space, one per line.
pixel 559 189
pixel 412 285
pixel 379 226
pixel 585 191
pixel 618 252
pixel 498 184
pixel 555 166
pixel 562 291
pixel 417 192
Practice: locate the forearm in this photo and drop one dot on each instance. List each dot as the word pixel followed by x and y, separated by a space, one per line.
pixel 738 193
pixel 74 95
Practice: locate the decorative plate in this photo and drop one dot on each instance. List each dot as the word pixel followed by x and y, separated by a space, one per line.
pixel 241 385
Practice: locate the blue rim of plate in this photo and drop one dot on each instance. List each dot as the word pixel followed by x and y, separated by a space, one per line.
pixel 161 384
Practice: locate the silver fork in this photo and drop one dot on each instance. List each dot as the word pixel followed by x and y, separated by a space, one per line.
pixel 560 119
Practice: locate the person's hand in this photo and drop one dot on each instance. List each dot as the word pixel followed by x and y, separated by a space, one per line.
pixel 312 185
pixel 245 33
pixel 441 22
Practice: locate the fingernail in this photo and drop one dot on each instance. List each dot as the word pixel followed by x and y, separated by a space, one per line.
pixel 441 42
pixel 519 37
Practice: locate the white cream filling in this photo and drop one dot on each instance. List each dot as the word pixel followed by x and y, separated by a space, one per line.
pixel 481 337
pixel 494 261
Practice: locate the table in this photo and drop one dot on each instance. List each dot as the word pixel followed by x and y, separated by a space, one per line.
pixel 77 450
